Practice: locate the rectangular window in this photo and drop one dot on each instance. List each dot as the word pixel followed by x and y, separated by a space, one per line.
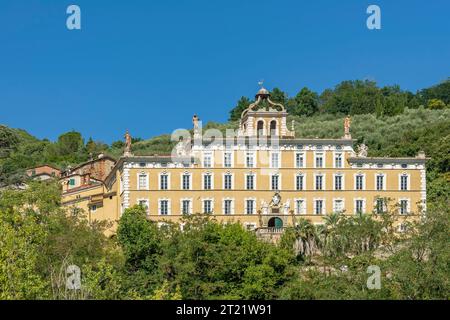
pixel 227 159
pixel 207 206
pixel 186 181
pixel 275 182
pixel 338 206
pixel 300 206
pixel 227 205
pixel 71 182
pixel 299 160
pixel 319 207
pixel 338 160
pixel 404 182
pixel 143 181
pixel 380 207
pixel 299 182
pixel 319 160
pixel 275 159
pixel 404 207
pixel 207 178
pixel 319 182
pixel 338 182
pixel 249 160
pixel 249 207
pixel 380 182
pixel 359 204
pixel 164 207
pixel 164 182
pixel 143 204
pixel 186 206
pixel 228 179
pixel 359 182
pixel 207 162
pixel 250 182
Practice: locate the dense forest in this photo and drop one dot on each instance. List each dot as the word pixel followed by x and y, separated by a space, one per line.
pixel 208 260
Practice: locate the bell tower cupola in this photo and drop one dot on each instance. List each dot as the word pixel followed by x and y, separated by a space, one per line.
pixel 264 118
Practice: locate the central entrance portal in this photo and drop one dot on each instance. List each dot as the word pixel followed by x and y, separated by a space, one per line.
pixel 275 223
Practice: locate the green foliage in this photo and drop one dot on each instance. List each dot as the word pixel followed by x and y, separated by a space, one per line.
pixel 242 104
pixel 305 103
pixel 440 91
pixel 436 104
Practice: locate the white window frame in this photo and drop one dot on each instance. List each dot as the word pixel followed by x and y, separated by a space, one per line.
pixel 231 159
pixel 211 159
pixel 272 153
pixel 169 206
pixel 254 180
pixel 334 205
pixel 335 154
pixel 323 181
pixel 303 154
pixel 303 209
pixel 181 180
pixel 231 208
pixel 147 210
pixel 342 181
pixel 375 205
pixel 203 180
pixel 355 211
pixel 376 182
pixel 408 206
pixel 223 180
pixel 316 153
pixel 279 181
pixel 190 209
pixel 323 206
pixel 300 174
pixel 168 180
pixel 254 206
pixel 147 180
pixel 212 205
pixel 408 185
pixel 252 156
pixel 363 175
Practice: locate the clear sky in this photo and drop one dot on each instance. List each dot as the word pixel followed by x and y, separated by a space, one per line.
pixel 150 65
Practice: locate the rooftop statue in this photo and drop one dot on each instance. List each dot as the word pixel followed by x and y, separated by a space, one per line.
pixel 362 150
pixel 347 123
pixel 127 150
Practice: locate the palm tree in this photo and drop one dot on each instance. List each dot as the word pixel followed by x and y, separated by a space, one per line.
pixel 306 242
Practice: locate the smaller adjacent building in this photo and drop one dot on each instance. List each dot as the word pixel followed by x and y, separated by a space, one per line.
pixel 44 172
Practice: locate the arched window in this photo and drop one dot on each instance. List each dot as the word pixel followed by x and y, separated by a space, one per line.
pixel 273 128
pixel 260 128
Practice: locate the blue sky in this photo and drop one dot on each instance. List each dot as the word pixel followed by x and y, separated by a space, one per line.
pixel 150 65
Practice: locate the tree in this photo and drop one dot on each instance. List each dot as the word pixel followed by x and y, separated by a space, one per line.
pixel 440 91
pixel 306 103
pixel 242 104
pixel 70 143
pixel 278 96
pixel 436 104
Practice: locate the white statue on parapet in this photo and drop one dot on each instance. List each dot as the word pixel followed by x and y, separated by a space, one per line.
pixel 286 206
pixel 264 207
pixel 362 150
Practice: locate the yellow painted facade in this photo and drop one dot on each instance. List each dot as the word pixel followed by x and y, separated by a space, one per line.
pixel 334 178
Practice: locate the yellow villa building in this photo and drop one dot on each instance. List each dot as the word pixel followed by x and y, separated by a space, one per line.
pixel 262 176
